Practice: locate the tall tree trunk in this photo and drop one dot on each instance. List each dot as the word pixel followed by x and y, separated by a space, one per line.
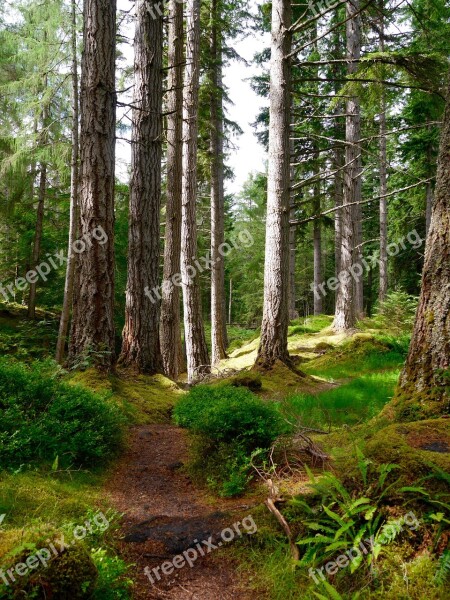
pixel 293 313
pixel 70 268
pixel 383 184
pixel 317 242
pixel 140 344
pixel 425 381
pixel 38 237
pixel 93 318
pixel 31 312
pixel 338 200
pixel 170 331
pixel 349 297
pixel 274 327
pixel 218 309
pixel 429 195
pixel 196 349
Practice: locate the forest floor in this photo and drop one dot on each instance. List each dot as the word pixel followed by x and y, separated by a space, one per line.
pixel 164 513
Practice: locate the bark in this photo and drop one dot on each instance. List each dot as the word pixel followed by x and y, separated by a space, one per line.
pixel 349 296
pixel 140 344
pixel 426 376
pixel 31 312
pixel 273 345
pixel 170 331
pixel 218 308
pixel 338 200
pixel 293 313
pixel 429 206
pixel 196 350
pixel 70 267
pixel 93 318
pixel 383 186
pixel 38 237
pixel 317 244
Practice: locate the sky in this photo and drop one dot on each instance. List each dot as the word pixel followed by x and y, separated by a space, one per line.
pixel 248 155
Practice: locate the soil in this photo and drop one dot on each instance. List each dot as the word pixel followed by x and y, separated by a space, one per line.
pixel 165 514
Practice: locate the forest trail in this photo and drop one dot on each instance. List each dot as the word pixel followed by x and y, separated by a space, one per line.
pixel 164 513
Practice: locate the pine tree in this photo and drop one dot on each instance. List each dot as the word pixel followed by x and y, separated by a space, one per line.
pixel 93 314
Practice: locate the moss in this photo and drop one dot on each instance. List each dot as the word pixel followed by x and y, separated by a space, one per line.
pixel 411 579
pixel 250 379
pixel 70 574
pixel 413 446
pixel 143 398
pixel 411 404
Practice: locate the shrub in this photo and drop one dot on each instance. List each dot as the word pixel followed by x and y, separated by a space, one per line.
pixel 43 419
pixel 228 414
pixel 228 423
pixel 397 312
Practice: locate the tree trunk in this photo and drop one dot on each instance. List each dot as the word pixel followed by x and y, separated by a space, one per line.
pixel 38 238
pixel 93 318
pixel 425 381
pixel 140 345
pixel 293 313
pixel 349 297
pixel 317 243
pixel 274 327
pixel 218 309
pixel 383 185
pixel 429 206
pixel 196 349
pixel 70 268
pixel 31 312
pixel 170 331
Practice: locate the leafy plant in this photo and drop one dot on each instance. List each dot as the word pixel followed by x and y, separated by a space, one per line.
pixel 46 420
pixel 228 414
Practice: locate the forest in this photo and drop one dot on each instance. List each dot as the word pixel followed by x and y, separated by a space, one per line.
pixel 219 381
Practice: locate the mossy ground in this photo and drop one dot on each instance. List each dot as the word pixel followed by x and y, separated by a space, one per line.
pixel 349 378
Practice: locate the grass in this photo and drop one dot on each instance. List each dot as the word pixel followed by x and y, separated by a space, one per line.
pixel 351 403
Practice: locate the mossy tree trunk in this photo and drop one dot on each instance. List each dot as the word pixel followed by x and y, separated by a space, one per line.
pixel 425 378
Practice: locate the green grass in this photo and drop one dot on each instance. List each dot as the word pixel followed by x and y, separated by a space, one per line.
pixel 310 325
pixel 349 404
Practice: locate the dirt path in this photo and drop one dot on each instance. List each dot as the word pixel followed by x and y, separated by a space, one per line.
pixel 164 514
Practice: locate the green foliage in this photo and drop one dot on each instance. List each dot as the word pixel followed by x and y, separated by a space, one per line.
pixel 229 414
pixel 112 582
pixel 348 404
pixel 397 312
pixel 43 418
pixel 228 423
pixel 346 518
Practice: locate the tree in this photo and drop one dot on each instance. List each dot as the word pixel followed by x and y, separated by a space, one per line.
pixel 349 295
pixel 383 179
pixel 70 268
pixel 140 346
pixel 273 345
pixel 170 335
pixel 425 380
pixel 196 349
pixel 93 312
pixel 218 310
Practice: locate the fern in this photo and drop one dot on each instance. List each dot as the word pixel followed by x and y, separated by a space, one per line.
pixel 443 571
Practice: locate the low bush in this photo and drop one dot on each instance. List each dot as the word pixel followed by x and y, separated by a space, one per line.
pixel 45 420
pixel 229 414
pixel 228 424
